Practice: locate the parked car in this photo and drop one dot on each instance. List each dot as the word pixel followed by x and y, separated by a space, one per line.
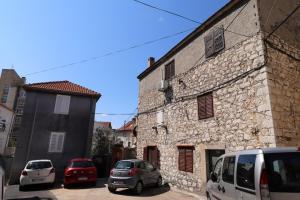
pixel 37 172
pixel 133 174
pixel 80 170
pixel 265 174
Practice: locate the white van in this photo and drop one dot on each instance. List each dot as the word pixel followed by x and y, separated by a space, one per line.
pixel 260 174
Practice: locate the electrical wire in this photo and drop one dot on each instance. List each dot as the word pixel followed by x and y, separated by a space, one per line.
pixel 110 53
pixel 181 16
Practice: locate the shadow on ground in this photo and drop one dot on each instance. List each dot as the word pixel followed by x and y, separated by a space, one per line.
pixel 32 198
pixel 147 192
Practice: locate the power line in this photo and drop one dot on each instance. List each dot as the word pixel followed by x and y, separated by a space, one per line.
pixel 110 53
pixel 167 11
pixel 181 16
pixel 283 21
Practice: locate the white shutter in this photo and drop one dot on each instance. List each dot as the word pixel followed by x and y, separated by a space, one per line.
pixel 56 142
pixel 62 104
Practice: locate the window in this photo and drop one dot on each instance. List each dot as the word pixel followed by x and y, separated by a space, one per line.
pixel 205 106
pixel 245 171
pixel 5 94
pixel 217 169
pixel 62 104
pixel 283 172
pixel 39 165
pixel 18 121
pixel 214 42
pixel 185 159
pixel 56 142
pixel 228 170
pixel 170 70
pixel 152 154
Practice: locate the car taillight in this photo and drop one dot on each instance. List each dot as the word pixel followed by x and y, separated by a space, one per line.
pixel 52 171
pixel 264 185
pixel 24 173
pixel 111 172
pixel 133 172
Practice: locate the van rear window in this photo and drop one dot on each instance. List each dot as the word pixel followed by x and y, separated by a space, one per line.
pixel 283 172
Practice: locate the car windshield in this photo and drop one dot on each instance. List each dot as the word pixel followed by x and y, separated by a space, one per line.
pixel 284 172
pixel 39 165
pixel 81 164
pixel 124 165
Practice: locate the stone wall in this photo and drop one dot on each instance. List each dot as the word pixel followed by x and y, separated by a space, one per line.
pixel 242 112
pixel 284 85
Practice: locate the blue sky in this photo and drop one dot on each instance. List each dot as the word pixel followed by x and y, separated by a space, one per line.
pixel 36 35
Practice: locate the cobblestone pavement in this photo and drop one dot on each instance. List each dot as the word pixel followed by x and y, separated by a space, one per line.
pixel 92 193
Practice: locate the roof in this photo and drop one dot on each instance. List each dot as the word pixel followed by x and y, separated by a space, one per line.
pixel 103 124
pixel 195 34
pixel 129 126
pixel 62 87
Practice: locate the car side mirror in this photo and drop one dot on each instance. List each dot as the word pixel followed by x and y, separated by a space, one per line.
pixel 213 177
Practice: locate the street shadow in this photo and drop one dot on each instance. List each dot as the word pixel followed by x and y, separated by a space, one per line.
pixel 100 184
pixel 147 191
pixel 33 198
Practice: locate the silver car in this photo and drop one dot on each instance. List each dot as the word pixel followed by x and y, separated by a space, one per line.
pixel 265 174
pixel 133 174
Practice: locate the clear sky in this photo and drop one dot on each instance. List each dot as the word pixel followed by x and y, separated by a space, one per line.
pixel 40 34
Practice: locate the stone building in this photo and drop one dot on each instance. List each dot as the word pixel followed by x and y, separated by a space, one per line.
pixel 231 84
pixel 12 97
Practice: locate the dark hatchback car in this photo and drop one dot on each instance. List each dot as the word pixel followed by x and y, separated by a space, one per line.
pixel 133 174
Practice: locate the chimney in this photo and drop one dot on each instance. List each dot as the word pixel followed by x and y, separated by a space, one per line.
pixel 151 61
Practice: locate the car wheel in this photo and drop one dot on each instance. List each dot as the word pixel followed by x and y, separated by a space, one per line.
pixel 208 196
pixel 159 182
pixel 138 188
pixel 112 190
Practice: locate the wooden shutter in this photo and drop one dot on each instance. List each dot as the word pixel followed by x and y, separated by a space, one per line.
pixel 167 72
pixel 52 143
pixel 62 104
pixel 60 142
pixel 145 153
pixel 219 42
pixel 181 159
pixel 170 70
pixel 209 44
pixel 205 106
pixel 209 105
pixel 201 107
pixel 56 142
pixel 156 158
pixel 189 160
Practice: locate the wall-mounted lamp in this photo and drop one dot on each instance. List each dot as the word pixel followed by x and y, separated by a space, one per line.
pixel 180 82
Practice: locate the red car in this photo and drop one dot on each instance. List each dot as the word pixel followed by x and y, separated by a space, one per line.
pixel 80 170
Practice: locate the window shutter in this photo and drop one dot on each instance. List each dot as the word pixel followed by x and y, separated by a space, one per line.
pixel 62 104
pixel 145 154
pixel 167 72
pixel 156 157
pixel 172 69
pixel 181 159
pixel 219 42
pixel 209 44
pixel 53 141
pixel 209 106
pixel 189 160
pixel 201 107
pixel 60 143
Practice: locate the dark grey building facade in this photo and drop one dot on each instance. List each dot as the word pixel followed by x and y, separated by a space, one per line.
pixel 57 124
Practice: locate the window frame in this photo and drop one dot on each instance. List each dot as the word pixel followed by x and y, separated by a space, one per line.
pixel 56 149
pixel 237 171
pixel 234 168
pixel 170 67
pixel 185 149
pixel 59 104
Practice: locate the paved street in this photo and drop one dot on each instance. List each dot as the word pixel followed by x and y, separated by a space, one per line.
pixel 92 193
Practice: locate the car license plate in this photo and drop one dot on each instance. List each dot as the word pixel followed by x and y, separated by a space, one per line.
pixel 37 179
pixel 118 182
pixel 82 178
